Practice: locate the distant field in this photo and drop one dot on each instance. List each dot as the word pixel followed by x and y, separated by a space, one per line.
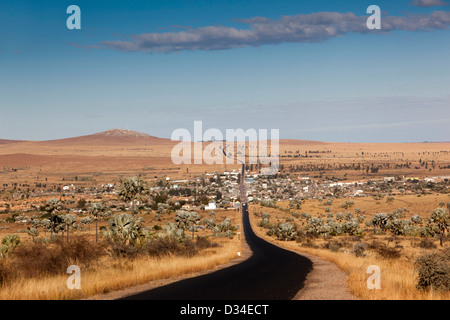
pixel 106 158
pixel 31 172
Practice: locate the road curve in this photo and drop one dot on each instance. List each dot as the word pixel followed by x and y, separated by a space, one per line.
pixel 271 273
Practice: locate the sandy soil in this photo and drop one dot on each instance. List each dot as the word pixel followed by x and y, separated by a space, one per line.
pixel 325 282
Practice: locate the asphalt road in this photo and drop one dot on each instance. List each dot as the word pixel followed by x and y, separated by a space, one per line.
pixel 271 273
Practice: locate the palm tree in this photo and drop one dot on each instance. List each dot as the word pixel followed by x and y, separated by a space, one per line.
pixel 441 219
pixel 187 221
pixel 53 207
pixel 98 211
pixel 133 189
pixel 69 220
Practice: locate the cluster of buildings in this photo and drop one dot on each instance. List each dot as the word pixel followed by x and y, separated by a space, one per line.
pixel 221 190
pixel 283 187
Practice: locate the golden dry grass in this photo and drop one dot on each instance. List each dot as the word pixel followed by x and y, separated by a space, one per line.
pixel 398 276
pixel 116 274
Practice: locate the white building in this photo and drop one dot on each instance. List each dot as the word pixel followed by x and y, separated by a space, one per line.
pixel 211 206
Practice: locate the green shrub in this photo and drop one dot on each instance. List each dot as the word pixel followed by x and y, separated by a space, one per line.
pixel 285 231
pixel 225 229
pixel 416 219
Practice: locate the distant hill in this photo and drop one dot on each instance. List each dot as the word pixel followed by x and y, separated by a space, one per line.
pixel 5 141
pixel 109 137
pixel 122 133
pixel 114 142
pixel 118 152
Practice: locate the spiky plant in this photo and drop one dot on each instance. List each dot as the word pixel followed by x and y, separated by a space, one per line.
pixel 9 243
pixel 133 189
pixel 172 230
pixel 125 229
pixel 441 219
pixel 187 220
pixel 33 233
pixel 285 231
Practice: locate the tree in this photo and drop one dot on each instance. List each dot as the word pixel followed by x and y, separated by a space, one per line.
pixel 69 221
pixel 86 221
pixel 187 220
pixel 209 223
pixel 124 228
pixel 33 232
pixel 81 204
pixel 53 207
pixel 441 219
pixel 98 211
pixel 8 244
pixel 380 222
pixel 133 189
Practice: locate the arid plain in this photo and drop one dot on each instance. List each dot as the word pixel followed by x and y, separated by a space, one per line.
pixel 78 170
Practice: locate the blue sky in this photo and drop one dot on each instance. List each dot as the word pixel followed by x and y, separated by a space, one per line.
pixel 155 66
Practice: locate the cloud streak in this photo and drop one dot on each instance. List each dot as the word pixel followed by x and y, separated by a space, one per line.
pixel 429 3
pixel 258 31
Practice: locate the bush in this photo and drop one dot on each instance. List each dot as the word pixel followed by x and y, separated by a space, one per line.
pixel 285 231
pixel 309 244
pixel 416 219
pixel 39 259
pixel 398 227
pixel 204 243
pixel 351 227
pixel 388 252
pixel 333 246
pixel 170 246
pixel 171 230
pixel 119 249
pixel 347 204
pixel 82 251
pixel 296 214
pixel 426 244
pixel 265 223
pixel 225 229
pixel 380 222
pixel 359 249
pixel 434 270
pixel 306 216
